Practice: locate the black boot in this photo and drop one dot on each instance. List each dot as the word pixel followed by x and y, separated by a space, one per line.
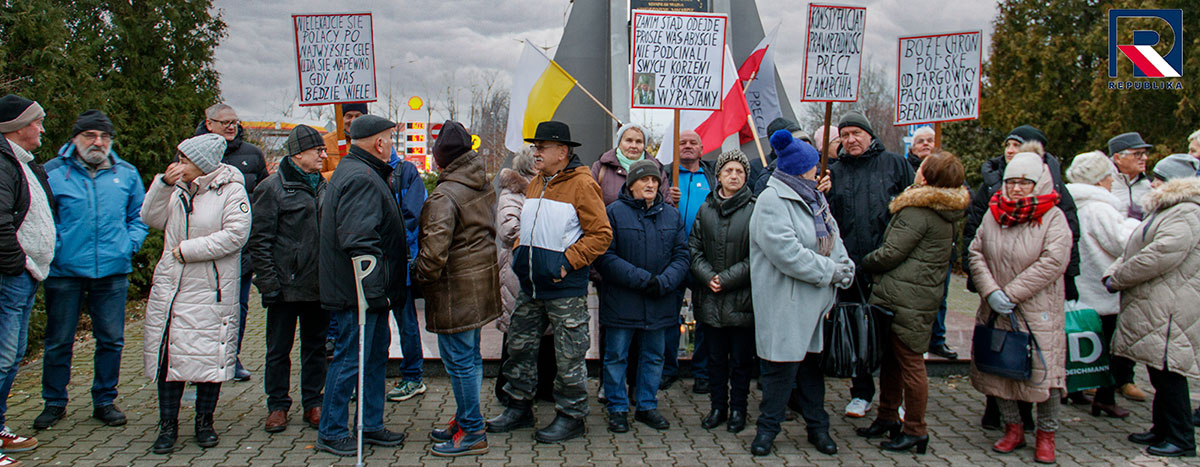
pixel 714 419
pixel 518 414
pixel 761 445
pixel 905 441
pixel 168 432
pixel 206 437
pixel 564 427
pixel 880 428
pixel 823 442
pixel 737 421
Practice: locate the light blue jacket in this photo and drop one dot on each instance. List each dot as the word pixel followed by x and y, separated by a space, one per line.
pixel 98 219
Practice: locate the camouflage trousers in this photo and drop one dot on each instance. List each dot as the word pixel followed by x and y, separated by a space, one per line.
pixel 568 319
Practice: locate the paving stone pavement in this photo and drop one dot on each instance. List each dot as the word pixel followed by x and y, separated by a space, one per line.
pixel 954 411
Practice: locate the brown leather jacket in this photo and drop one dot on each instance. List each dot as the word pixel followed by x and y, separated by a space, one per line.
pixel 456 265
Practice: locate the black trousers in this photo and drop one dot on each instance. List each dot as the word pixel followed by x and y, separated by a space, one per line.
pixel 730 356
pixel 170 393
pixel 281 335
pixel 778 379
pixel 1172 411
pixel 1119 367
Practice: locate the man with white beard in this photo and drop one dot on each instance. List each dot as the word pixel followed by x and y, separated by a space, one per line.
pixel 98 202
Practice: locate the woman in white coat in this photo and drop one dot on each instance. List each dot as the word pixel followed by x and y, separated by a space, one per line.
pixel 191 326
pixel 796 260
pixel 1103 231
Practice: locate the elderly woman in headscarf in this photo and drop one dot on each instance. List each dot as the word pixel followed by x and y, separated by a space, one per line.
pixel 629 146
pixel 1103 231
pixel 1018 259
pixel 796 260
pixel 1158 275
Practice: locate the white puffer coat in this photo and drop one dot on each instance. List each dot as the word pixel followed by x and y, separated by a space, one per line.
pixel 197 300
pixel 1103 231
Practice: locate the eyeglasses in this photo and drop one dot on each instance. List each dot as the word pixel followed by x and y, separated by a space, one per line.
pixel 89 136
pixel 1018 182
pixel 225 123
pixel 1138 154
pixel 543 147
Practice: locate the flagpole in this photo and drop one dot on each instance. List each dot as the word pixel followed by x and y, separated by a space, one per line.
pixel 675 165
pixel 746 89
pixel 757 142
pixel 597 101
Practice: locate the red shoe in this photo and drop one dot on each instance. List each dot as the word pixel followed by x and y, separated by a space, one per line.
pixel 1014 437
pixel 1045 447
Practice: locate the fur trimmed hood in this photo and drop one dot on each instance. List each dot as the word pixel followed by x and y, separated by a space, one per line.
pixel 952 201
pixel 1172 193
pixel 512 181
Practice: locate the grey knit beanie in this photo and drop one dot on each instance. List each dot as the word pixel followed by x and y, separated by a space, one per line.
pixel 1176 166
pixel 733 155
pixel 205 151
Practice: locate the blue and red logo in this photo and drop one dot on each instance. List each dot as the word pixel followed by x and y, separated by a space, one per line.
pixel 1147 62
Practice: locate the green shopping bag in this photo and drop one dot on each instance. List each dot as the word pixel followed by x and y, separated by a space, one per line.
pixel 1087 351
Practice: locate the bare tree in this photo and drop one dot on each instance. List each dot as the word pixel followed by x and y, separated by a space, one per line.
pixel 489 118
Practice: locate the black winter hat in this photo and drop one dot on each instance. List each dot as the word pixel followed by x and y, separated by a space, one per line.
pixel 1026 133
pixel 782 124
pixel 640 169
pixel 92 120
pixel 361 107
pixel 17 112
pixel 369 125
pixel 855 118
pixel 453 141
pixel 302 138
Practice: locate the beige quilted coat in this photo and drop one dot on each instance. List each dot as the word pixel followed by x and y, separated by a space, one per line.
pixel 1159 278
pixel 197 299
pixel 1027 261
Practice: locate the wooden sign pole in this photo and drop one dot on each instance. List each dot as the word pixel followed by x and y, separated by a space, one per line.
pixel 937 136
pixel 825 138
pixel 341 131
pixel 675 165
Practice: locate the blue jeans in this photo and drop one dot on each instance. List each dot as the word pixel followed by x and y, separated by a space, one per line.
pixel 464 364
pixel 106 307
pixel 342 380
pixel 649 366
pixel 939 325
pixel 244 301
pixel 412 366
pixel 16 301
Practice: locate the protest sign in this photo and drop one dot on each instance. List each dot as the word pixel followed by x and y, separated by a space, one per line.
pixel 677 60
pixel 938 77
pixel 833 52
pixel 335 57
pixel 670 5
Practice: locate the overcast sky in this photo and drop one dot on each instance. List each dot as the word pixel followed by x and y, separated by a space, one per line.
pixel 421 46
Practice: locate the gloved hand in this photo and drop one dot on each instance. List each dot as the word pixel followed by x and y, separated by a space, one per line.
pixel 843 275
pixel 378 304
pixel 1108 285
pixel 651 287
pixel 1000 302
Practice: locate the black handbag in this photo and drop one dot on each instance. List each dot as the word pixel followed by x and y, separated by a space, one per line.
pixel 1006 353
pixel 855 335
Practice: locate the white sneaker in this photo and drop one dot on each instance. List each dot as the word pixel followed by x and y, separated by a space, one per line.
pixel 857 408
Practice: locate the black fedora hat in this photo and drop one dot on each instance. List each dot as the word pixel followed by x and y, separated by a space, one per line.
pixel 557 132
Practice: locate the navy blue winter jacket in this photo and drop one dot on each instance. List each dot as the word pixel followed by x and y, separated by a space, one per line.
pixel 648 243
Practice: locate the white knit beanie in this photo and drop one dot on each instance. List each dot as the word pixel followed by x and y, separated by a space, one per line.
pixel 1025 165
pixel 205 151
pixel 1089 168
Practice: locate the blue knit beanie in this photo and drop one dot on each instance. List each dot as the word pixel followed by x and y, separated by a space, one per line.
pixel 795 157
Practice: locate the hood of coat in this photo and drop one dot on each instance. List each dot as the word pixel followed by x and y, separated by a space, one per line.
pixel 950 203
pixel 1172 193
pixel 467 169
pixel 230 146
pixel 1083 193
pixel 224 175
pixel 730 205
pixel 511 180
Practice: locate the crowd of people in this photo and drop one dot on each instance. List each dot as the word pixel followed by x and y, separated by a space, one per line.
pixel 760 251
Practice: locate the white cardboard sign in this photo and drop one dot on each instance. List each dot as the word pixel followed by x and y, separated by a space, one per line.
pixel 938 77
pixel 833 52
pixel 335 58
pixel 677 60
